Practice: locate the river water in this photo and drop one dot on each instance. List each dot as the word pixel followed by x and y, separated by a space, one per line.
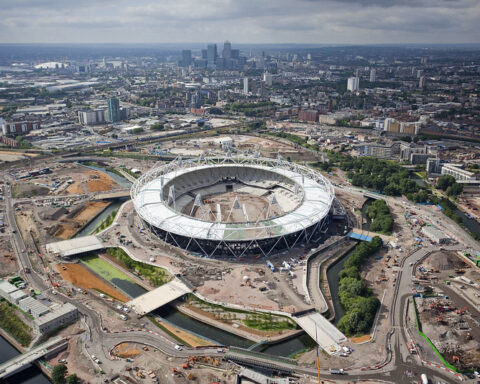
pixel 31 375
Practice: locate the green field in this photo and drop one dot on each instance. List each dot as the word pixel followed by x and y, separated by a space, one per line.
pixel 104 269
pixel 13 325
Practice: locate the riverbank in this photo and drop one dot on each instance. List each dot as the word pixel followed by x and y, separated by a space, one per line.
pixel 254 335
pixel 36 365
pixel 326 283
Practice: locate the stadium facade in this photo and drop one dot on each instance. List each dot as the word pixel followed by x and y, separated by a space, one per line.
pixel 298 201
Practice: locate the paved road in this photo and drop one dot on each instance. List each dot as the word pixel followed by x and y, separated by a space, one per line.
pixel 100 342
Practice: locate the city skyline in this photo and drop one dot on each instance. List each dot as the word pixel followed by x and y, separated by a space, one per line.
pixel 308 22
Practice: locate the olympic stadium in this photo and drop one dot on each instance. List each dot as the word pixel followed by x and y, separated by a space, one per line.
pixel 234 206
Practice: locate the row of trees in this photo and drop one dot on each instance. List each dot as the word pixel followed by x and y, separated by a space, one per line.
pixel 356 298
pixel 379 213
pixel 155 275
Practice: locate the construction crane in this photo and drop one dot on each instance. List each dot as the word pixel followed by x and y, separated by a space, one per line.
pixel 318 357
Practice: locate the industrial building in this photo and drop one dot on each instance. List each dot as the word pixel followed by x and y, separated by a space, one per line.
pixel 436 235
pixel 59 317
pixel 33 307
pixel 6 289
pixel 46 318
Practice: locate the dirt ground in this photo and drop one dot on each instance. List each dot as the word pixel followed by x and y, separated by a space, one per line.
pixel 125 350
pixel 89 180
pixel 70 226
pixel 8 263
pixel 21 190
pixel 254 205
pixel 74 354
pixel 83 278
pixel 470 205
pixel 232 289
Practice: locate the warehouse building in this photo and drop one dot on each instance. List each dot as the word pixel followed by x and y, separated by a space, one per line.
pixel 436 235
pixel 33 307
pixel 6 289
pixel 59 317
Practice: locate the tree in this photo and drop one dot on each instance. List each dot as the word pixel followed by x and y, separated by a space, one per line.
pixel 58 374
pixel 445 181
pixel 73 379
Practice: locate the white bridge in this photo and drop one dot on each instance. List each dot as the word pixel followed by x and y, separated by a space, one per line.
pixel 22 361
pixel 159 297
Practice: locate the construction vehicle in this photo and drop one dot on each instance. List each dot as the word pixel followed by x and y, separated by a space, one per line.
pixel 140 375
pixel 461 311
pixel 455 359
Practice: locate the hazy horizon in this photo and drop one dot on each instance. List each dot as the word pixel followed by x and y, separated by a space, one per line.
pixel 324 22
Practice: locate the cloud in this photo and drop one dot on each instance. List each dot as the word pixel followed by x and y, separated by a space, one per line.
pixel 249 21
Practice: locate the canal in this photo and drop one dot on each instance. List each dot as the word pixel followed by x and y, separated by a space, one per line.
pixel 31 375
pixel 85 231
pixel 283 348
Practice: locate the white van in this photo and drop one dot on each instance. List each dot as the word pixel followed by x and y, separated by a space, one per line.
pixel 123 317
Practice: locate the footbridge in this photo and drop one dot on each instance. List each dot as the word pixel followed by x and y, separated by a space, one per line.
pixel 22 361
pixel 359 234
pixel 327 336
pixel 113 195
pixel 159 297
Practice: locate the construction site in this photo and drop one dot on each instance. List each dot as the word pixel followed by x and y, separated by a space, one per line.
pixel 447 304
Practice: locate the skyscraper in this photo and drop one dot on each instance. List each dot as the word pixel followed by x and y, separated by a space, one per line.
pixel 421 82
pixel 227 50
pixel 353 84
pixel 211 55
pixel 267 78
pixel 373 75
pixel 186 57
pixel 113 110
pixel 245 85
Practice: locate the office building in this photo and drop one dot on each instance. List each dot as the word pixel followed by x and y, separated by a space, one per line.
pixel 267 79
pixel 227 50
pixel 113 110
pixel 19 128
pixel 211 55
pixel 245 85
pixel 373 75
pixel 186 57
pixel 353 84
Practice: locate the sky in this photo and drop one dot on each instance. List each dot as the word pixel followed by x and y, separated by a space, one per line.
pixel 240 21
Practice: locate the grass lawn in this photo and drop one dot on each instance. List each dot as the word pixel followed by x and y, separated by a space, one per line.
pixel 104 269
pixel 13 325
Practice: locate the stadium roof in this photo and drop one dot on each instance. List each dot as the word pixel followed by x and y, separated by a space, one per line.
pixel 315 205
